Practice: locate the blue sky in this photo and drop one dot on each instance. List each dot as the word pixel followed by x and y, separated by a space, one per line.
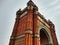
pixel 50 9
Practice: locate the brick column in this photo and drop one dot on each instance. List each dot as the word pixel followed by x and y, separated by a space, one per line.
pixel 28 37
pixel 36 39
pixel 54 38
pixel 53 34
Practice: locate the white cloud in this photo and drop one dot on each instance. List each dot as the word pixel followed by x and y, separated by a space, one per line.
pixel 53 3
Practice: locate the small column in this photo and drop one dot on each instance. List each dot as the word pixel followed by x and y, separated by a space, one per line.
pixel 36 39
pixel 28 37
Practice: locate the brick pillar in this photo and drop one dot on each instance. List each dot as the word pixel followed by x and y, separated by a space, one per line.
pixel 54 38
pixel 28 39
pixel 53 34
pixel 36 39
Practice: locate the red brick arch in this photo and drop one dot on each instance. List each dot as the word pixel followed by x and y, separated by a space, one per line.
pixel 46 35
pixel 43 37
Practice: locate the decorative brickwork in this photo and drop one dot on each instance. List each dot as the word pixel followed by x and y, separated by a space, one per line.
pixel 31 28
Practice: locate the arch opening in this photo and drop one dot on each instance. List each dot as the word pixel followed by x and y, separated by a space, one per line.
pixel 44 38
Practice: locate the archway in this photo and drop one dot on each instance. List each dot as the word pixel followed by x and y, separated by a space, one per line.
pixel 44 39
pixel 47 33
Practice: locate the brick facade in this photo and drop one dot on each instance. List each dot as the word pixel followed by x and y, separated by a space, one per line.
pixel 30 28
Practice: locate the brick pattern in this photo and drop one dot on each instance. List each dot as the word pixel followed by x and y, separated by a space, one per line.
pixel 53 35
pixel 30 22
pixel 22 25
pixel 20 41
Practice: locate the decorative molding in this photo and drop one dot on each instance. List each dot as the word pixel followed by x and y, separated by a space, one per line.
pixel 20 36
pixel 37 35
pixel 36 12
pixel 44 27
pixel 30 7
pixel 28 31
pixel 23 14
pixel 17 37
pixel 40 19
